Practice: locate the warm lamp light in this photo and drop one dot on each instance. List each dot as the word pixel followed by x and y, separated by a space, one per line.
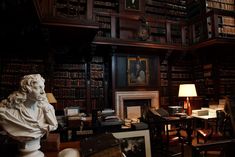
pixel 51 99
pixel 187 90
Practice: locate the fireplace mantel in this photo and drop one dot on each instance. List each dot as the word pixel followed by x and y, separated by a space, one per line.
pixel 120 96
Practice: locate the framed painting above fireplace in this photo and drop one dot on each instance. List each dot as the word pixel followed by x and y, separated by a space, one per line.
pixel 138 71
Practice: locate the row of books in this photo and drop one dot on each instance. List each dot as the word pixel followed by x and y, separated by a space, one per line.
pixel 97 59
pixel 181 68
pixel 70 66
pixel 228 20
pixel 104 34
pixel 69 83
pixel 97 66
pixel 223 1
pixel 63 103
pixel 97 92
pixel 96 83
pixel 105 25
pixel 163 75
pixel 7 79
pixel 181 75
pixel 23 68
pixel 70 1
pixel 227 30
pixel 103 19
pixel 164 82
pixel 105 3
pixel 179 2
pixel 218 5
pixel 67 74
pixel 97 74
pixel 70 93
pixel 105 10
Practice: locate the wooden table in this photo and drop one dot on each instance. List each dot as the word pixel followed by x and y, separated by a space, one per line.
pixel 206 118
pixel 183 123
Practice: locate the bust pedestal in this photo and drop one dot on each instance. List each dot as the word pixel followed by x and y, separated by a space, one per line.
pixel 31 149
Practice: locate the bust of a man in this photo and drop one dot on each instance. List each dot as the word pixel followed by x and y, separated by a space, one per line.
pixel 26 115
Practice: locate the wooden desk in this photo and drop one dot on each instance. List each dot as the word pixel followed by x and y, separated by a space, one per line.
pixel 211 116
pixel 63 145
pixel 184 123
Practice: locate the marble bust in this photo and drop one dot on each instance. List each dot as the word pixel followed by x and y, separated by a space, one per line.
pixel 26 115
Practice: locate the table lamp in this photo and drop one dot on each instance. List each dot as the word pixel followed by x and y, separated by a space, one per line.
pixel 51 99
pixel 187 90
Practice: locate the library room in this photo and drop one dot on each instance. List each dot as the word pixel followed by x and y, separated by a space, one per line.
pixel 117 78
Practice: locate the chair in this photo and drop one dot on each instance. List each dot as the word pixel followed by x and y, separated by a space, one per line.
pixel 167 139
pixel 221 129
pixel 171 138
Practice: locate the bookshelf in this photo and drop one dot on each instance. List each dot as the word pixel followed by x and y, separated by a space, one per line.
pixel 70 8
pixel 13 69
pixel 164 89
pixel 80 83
pixel 174 70
pixel 209 75
pixel 180 74
pixel 158 32
pixel 97 83
pixel 226 75
pixel 168 27
pixel 227 5
pixel 160 9
pixel 102 14
pixel 69 84
pixel 217 19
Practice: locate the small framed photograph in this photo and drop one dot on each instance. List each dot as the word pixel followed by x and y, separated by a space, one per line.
pixel 71 111
pixel 135 143
pixel 132 5
pixel 138 71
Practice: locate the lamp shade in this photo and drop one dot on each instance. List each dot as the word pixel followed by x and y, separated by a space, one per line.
pixel 51 99
pixel 187 90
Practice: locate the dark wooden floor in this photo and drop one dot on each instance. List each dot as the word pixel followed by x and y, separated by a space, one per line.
pixel 156 152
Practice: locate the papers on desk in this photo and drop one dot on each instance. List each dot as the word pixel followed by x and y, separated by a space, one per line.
pixel 205 113
pixel 200 112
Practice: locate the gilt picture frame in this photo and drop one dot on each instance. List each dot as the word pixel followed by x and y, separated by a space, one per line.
pixel 134 143
pixel 138 71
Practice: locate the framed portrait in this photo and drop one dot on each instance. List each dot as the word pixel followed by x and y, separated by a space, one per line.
pixel 132 5
pixel 134 143
pixel 138 71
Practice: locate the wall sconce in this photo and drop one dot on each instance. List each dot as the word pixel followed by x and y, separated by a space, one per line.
pixel 187 90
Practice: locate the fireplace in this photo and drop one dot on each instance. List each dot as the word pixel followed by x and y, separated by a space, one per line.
pixel 121 96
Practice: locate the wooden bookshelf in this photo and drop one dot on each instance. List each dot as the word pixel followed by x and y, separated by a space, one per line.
pixel 70 8
pixel 102 14
pixel 13 69
pixel 164 84
pixel 97 80
pixel 80 83
pixel 226 75
pixel 174 10
pixel 174 70
pixel 212 19
pixel 70 84
pixel 163 31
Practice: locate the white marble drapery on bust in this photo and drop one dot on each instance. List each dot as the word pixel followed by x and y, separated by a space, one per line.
pixel 26 115
pixel 18 122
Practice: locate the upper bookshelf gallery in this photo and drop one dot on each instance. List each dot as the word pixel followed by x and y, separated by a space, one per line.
pixel 171 22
